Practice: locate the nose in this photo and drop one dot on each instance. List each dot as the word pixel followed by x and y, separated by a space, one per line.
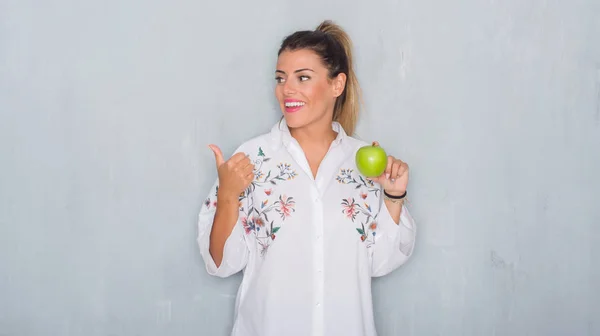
pixel 288 88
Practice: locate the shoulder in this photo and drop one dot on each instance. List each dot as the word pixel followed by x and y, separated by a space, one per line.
pixel 261 142
pixel 252 145
pixel 355 143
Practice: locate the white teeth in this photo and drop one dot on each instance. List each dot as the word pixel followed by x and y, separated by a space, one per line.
pixel 294 104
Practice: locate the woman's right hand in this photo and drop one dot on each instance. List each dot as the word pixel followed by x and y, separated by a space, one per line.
pixel 235 174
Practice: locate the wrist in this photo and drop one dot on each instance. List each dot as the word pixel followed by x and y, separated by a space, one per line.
pixel 395 193
pixel 394 197
pixel 227 197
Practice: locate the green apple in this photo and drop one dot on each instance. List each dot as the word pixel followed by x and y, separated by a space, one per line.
pixel 371 161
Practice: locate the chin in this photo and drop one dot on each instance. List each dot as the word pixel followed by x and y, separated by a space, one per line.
pixel 293 121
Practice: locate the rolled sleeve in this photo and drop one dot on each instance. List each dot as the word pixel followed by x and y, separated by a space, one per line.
pixel 394 243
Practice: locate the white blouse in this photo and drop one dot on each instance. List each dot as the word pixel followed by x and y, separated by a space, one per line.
pixel 307 247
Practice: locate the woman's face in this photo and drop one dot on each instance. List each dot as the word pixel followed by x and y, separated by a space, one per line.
pixel 304 90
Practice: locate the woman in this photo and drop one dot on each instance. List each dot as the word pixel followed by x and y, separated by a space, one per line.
pixel 292 211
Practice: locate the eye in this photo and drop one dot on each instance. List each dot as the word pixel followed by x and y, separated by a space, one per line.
pixel 303 78
pixel 279 80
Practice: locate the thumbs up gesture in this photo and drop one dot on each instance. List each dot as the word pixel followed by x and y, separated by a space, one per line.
pixel 235 174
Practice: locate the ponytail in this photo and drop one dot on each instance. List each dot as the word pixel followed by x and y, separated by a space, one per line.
pixel 347 106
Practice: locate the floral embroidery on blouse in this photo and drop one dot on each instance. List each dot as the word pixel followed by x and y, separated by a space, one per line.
pixel 345 177
pixel 208 202
pixel 260 219
pixel 360 213
pixel 285 173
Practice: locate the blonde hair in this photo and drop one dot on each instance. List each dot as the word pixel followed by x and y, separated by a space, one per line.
pixel 334 47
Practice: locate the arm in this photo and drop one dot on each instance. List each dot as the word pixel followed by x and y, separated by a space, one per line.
pixel 395 239
pixel 396 230
pixel 225 219
pixel 221 236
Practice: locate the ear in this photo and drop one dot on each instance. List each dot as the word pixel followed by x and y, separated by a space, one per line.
pixel 338 84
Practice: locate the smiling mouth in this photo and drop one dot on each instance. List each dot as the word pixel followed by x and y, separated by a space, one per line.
pixel 294 104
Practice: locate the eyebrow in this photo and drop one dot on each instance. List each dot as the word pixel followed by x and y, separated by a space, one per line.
pixel 299 70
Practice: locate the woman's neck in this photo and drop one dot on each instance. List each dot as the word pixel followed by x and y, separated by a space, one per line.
pixel 315 140
pixel 315 135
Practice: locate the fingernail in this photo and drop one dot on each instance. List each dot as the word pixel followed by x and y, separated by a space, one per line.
pixel 387 176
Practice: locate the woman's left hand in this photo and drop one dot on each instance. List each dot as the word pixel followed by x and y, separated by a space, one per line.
pixel 394 179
